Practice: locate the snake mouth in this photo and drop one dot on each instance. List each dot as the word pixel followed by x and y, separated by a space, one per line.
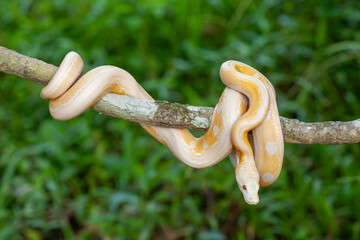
pixel 252 201
pixel 250 197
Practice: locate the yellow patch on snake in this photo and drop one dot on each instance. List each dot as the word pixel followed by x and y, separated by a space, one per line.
pixel 152 131
pixel 120 89
pixel 198 146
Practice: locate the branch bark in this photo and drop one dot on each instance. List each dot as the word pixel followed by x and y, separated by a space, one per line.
pixel 176 115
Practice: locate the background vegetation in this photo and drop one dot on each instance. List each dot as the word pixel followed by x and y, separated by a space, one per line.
pixel 97 177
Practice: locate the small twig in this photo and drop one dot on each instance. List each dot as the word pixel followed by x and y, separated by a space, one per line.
pixel 176 115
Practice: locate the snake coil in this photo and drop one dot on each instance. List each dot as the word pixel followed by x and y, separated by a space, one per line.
pixel 247 103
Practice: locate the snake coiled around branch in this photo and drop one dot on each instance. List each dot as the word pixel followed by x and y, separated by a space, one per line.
pixel 247 103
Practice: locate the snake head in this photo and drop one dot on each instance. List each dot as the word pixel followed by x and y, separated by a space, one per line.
pixel 250 191
pixel 248 182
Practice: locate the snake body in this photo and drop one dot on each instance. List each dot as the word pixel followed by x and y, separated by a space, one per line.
pixel 247 103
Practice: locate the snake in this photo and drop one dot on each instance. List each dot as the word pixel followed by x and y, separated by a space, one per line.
pixel 248 103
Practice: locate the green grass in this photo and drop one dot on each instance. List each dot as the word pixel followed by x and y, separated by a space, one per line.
pixel 97 177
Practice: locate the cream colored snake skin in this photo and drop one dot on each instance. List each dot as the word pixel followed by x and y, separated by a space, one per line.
pixel 247 103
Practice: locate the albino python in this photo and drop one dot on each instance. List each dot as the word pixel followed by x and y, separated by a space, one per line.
pixel 247 103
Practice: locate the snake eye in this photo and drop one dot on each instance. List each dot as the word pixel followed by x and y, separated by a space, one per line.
pixel 244 187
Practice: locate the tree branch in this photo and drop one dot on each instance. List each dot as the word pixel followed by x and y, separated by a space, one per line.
pixel 176 115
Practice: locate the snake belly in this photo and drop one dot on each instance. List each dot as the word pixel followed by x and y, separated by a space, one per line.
pixel 227 131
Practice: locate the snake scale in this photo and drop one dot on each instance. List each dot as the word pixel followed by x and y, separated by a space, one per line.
pixel 248 103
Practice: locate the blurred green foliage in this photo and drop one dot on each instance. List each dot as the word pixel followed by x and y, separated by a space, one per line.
pixel 97 177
